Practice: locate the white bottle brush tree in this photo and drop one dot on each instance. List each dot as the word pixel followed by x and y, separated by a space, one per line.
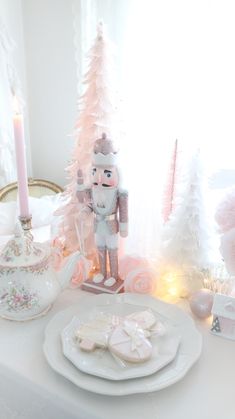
pixel 97 115
pixel 187 234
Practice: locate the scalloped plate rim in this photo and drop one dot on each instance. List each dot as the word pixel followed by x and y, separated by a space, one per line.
pixel 52 346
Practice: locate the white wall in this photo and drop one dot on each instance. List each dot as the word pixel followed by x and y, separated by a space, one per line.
pixel 51 81
pixel 45 61
pixel 11 16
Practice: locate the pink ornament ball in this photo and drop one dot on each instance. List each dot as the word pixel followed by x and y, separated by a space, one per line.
pixel 201 303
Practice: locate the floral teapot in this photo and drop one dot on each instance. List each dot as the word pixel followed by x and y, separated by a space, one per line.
pixel 28 283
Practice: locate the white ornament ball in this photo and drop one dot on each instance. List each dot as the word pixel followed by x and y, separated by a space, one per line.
pixel 201 303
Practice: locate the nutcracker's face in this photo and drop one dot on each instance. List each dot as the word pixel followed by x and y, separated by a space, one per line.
pixel 105 176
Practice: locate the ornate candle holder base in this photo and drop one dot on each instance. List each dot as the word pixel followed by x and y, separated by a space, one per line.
pixel 26 223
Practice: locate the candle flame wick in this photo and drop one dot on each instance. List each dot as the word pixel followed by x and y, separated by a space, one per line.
pixel 16 105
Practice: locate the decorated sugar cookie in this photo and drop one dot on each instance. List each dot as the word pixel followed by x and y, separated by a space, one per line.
pixel 149 323
pixel 94 334
pixel 128 342
pixel 145 319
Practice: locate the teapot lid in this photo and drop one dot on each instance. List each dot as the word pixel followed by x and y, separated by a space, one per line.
pixel 22 250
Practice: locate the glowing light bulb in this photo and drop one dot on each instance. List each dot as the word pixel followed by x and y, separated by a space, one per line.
pixel 170 278
pixel 173 291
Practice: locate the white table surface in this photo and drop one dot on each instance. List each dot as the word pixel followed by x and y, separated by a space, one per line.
pixel 30 389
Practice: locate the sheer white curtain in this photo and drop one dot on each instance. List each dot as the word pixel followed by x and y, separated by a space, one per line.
pixel 176 67
pixel 7 162
pixel 137 143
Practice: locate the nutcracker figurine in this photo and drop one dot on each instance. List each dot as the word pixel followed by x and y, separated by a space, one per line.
pixel 110 206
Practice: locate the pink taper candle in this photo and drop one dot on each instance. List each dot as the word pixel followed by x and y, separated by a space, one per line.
pixel 21 161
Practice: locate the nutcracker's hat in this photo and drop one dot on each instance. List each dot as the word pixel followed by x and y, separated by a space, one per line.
pixel 104 153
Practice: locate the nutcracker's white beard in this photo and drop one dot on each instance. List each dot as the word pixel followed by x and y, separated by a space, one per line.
pixel 100 196
pixel 103 198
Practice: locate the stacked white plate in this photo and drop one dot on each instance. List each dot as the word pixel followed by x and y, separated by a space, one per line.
pixel 98 371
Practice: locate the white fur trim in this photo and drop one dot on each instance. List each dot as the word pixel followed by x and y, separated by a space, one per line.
pixel 100 159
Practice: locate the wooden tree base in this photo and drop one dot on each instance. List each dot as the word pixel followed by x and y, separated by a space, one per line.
pixel 90 286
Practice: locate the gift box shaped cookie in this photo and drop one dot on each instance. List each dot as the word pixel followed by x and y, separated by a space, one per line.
pixel 223 311
pixel 129 342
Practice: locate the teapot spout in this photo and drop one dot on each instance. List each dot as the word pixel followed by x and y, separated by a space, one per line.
pixel 65 274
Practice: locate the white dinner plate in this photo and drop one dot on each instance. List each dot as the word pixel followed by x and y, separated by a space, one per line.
pixel 101 362
pixel 188 353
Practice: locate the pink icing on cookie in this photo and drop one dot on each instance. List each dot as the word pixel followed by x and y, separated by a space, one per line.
pixel 87 345
pixel 129 343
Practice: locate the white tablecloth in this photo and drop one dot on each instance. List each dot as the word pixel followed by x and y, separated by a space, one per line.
pixel 30 389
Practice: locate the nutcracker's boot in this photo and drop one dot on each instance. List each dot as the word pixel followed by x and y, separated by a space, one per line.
pixel 113 262
pixel 101 276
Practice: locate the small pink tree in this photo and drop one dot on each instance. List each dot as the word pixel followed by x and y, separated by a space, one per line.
pixel 169 193
pixel 96 115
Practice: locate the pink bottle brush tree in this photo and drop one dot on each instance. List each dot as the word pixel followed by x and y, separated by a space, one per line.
pixel 97 114
pixel 169 193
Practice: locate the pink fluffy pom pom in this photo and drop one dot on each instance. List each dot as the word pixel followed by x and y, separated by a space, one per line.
pixel 129 263
pixel 141 281
pixel 225 213
pixel 137 274
pixel 81 271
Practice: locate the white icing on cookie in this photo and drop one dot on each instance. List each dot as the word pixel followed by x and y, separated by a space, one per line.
pixel 158 329
pixel 145 319
pixel 95 333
